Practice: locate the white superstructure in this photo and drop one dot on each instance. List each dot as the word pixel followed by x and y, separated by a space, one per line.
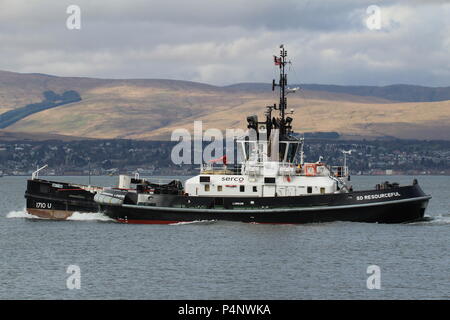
pixel 271 160
pixel 265 178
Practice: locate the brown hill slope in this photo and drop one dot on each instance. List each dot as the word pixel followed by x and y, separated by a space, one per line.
pixel 430 120
pixel 33 136
pixel 151 109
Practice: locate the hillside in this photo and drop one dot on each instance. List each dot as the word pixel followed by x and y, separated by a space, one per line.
pixel 151 109
pixel 396 92
pixel 26 136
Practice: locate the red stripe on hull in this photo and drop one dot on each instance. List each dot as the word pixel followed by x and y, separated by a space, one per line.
pixel 132 221
pixel 149 221
pixel 281 223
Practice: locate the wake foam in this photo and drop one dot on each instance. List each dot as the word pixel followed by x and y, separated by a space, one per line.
pixel 76 216
pixel 21 214
pixel 97 216
pixel 441 219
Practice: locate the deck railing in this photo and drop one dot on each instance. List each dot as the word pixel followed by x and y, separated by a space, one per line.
pixel 339 171
pixel 283 169
pixel 35 174
pixel 209 168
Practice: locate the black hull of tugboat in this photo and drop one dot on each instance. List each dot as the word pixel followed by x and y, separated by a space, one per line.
pixel 57 200
pixel 397 205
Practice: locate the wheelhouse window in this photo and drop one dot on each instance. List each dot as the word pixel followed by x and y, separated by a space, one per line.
pixel 250 148
pixel 241 151
pixel 292 151
pixel 245 149
pixel 288 151
pixel 282 151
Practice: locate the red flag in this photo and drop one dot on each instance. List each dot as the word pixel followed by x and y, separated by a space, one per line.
pixel 277 60
pixel 222 159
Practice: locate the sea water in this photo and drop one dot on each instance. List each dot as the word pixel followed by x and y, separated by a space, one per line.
pixel 222 260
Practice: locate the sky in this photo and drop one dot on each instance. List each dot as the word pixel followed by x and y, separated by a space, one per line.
pixel 225 42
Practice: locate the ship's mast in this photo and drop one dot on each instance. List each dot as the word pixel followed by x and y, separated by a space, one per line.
pixel 278 129
pixel 282 123
pixel 282 83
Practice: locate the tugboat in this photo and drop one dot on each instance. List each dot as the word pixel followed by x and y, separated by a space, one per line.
pixel 272 184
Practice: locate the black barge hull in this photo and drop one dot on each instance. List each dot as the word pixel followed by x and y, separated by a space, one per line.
pixel 402 204
pixel 58 200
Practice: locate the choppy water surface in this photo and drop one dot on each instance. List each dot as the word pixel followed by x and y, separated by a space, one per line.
pixel 223 260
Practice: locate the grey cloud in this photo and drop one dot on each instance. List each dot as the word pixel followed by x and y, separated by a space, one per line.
pixel 270 14
pixel 223 42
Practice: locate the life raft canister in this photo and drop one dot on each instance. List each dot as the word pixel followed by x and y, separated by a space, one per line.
pixel 311 169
